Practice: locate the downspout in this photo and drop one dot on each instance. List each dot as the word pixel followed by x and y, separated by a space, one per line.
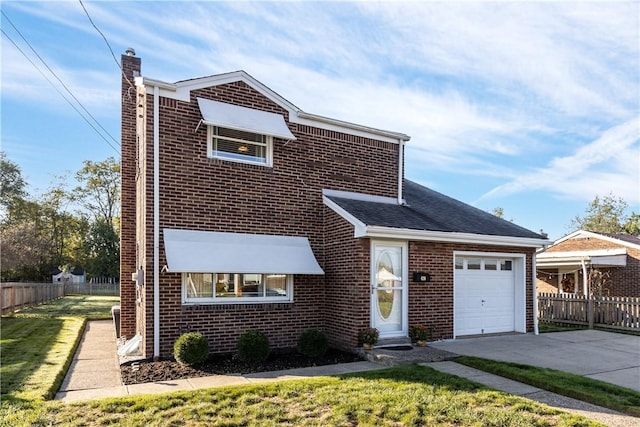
pixel 156 223
pixel 534 279
pixel 400 169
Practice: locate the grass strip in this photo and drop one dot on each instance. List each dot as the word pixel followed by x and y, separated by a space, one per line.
pixel 37 345
pixel 399 396
pixel 571 385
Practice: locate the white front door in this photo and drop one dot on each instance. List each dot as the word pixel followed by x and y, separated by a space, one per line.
pixel 388 289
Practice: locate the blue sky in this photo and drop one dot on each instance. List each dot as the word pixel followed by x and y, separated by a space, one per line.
pixel 531 107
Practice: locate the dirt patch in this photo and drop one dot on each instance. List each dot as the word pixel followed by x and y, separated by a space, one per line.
pixel 166 370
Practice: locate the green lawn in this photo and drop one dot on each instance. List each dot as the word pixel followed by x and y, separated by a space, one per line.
pixel 37 345
pixel 571 385
pixel 400 396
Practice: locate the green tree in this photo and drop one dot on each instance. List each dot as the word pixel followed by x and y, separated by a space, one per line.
pixel 632 226
pixel 606 215
pixel 103 249
pixel 99 189
pixel 12 184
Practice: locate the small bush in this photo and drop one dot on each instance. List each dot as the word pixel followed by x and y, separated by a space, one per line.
pixel 253 346
pixel 191 348
pixel 419 333
pixel 368 336
pixel 313 343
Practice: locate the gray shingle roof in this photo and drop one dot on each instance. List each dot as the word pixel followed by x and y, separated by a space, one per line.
pixel 624 237
pixel 429 210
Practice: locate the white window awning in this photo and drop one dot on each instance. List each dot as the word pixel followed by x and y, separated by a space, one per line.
pixel 231 116
pixel 192 251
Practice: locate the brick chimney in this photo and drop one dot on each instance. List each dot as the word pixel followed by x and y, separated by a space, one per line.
pixel 131 67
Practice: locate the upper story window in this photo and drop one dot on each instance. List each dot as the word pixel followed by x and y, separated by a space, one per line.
pixel 240 146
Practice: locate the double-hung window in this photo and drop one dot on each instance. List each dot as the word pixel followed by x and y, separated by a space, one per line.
pixel 236 287
pixel 240 146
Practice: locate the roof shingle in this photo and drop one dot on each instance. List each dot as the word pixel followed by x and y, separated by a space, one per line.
pixel 429 210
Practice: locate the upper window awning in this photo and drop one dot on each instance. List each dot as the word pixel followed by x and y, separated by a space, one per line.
pixel 192 251
pixel 231 116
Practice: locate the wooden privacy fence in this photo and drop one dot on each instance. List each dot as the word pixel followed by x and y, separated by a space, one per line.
pixel 15 296
pixel 609 312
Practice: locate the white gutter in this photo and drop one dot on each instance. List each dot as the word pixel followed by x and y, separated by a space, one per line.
pixel 535 295
pixel 156 223
pixel 445 236
pixel 400 170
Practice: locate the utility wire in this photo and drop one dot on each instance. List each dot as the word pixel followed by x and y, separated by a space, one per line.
pixel 107 42
pixel 58 90
pixel 59 79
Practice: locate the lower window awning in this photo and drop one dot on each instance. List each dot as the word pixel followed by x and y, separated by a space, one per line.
pixel 193 251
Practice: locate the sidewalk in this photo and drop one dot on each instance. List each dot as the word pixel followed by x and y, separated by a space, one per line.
pixel 606 416
pixel 95 373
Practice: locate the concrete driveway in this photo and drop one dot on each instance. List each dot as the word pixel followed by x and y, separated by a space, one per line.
pixel 604 356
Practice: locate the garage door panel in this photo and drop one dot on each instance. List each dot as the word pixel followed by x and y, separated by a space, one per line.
pixel 484 301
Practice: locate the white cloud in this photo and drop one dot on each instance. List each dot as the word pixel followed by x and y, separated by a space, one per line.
pixel 482 88
pixel 609 164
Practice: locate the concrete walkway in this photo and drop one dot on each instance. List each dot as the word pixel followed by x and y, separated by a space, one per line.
pixel 606 416
pixel 604 356
pixel 95 373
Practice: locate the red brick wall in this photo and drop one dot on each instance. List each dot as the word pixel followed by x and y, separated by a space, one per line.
pixel 347 281
pixel 347 274
pixel 431 303
pixel 200 193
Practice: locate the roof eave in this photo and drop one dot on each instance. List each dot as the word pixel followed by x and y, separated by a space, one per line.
pixel 380 232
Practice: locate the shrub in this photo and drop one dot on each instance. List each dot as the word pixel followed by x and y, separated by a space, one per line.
pixel 253 346
pixel 368 336
pixel 313 343
pixel 191 348
pixel 419 333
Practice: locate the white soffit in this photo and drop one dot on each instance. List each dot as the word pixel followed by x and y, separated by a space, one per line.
pixel 242 118
pixel 194 251
pixel 597 257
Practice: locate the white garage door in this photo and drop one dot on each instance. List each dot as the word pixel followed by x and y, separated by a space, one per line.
pixel 484 292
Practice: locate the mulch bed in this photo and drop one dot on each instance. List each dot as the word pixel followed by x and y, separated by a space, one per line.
pixel 166 370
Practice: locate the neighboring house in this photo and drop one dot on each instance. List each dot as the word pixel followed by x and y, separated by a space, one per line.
pixel 77 275
pixel 240 211
pixel 611 260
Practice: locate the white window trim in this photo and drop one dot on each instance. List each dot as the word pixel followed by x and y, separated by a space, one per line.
pixel 268 142
pixel 235 300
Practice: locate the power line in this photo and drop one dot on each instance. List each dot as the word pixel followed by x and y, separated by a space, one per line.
pixel 59 79
pixel 107 42
pixel 58 90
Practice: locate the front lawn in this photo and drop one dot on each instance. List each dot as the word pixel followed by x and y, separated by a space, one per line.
pixel 37 345
pixel 571 385
pixel 400 396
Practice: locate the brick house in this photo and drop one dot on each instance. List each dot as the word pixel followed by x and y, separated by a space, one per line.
pixel 240 211
pixel 615 258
